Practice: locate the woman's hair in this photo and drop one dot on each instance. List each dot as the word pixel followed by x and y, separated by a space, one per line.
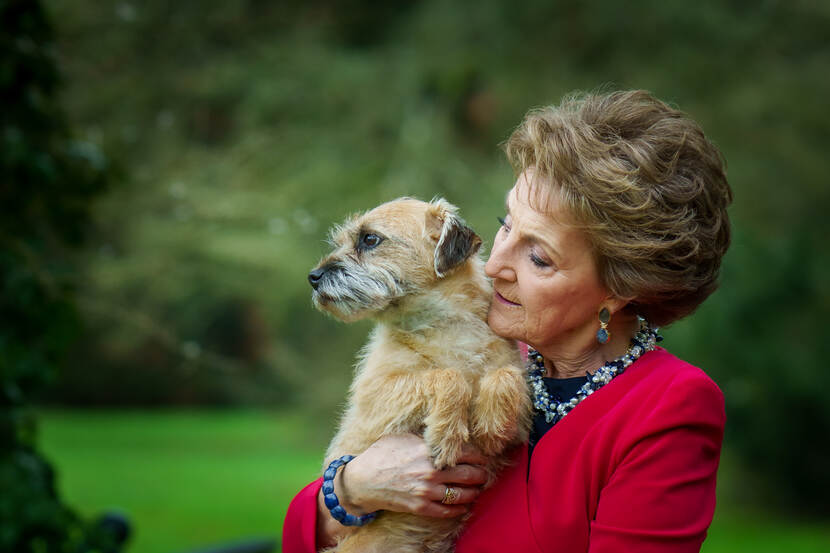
pixel 644 183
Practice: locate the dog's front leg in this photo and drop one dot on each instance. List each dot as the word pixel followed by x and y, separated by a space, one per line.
pixel 446 424
pixel 501 411
pixel 381 405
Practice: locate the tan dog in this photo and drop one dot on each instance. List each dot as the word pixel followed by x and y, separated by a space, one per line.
pixel 432 365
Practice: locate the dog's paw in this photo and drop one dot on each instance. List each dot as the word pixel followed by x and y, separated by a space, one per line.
pixel 501 411
pixel 446 453
pixel 491 438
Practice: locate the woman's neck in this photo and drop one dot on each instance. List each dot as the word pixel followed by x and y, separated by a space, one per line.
pixel 571 362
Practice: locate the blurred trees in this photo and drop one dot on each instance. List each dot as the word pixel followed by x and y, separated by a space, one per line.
pixel 47 182
pixel 249 127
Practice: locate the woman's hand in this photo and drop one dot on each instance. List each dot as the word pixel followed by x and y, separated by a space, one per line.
pixel 396 474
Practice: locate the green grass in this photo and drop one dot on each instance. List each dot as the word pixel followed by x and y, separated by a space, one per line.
pixel 188 479
pixel 757 532
pixel 185 479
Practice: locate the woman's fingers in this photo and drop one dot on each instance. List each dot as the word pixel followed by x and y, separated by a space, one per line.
pixel 470 455
pixel 396 473
pixel 436 509
pixel 441 504
pixel 456 495
pixel 468 475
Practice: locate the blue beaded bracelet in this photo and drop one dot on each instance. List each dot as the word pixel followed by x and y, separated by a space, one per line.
pixel 337 511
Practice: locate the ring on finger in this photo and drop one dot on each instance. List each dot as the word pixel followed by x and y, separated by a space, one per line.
pixel 450 496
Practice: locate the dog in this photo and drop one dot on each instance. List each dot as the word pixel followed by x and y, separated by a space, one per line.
pixel 432 365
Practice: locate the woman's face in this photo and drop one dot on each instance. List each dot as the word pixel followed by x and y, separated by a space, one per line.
pixel 547 291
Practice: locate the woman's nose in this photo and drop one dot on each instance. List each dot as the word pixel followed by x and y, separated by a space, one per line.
pixel 498 265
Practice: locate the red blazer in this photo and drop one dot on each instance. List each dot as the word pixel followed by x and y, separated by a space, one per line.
pixel 632 468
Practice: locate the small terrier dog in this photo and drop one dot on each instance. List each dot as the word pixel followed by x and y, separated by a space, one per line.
pixel 432 365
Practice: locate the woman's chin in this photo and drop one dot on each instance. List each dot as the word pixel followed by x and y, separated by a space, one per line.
pixel 501 325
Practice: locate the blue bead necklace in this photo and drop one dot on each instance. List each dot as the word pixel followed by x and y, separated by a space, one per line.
pixel 643 341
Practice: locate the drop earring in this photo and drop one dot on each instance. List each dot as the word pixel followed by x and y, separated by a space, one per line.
pixel 604 318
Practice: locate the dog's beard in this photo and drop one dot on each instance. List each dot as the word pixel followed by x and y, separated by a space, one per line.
pixel 351 293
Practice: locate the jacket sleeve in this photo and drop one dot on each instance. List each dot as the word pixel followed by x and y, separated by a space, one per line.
pixel 661 494
pixel 299 530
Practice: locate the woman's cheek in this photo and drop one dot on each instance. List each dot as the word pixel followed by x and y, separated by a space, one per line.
pixel 504 323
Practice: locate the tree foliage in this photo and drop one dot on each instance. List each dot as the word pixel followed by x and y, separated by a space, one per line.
pixel 47 182
pixel 250 126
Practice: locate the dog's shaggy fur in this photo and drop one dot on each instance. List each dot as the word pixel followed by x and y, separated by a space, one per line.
pixel 432 365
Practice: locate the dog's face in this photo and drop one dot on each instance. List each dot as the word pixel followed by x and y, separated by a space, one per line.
pixel 397 249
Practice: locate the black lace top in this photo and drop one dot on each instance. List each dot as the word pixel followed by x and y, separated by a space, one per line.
pixel 560 389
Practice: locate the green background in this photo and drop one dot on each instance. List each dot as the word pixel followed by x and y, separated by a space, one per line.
pixel 245 128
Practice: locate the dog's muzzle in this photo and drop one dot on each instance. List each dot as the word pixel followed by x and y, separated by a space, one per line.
pixel 351 289
pixel 315 276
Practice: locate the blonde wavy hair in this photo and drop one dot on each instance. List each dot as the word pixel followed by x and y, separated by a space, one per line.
pixel 647 187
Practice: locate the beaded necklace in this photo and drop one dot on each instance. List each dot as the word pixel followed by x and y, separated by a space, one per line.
pixel 643 341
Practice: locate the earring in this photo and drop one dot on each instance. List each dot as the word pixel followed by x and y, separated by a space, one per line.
pixel 604 318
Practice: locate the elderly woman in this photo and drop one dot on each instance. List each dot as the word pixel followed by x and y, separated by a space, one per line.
pixel 616 224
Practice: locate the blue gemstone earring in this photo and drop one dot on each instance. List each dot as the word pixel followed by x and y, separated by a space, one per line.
pixel 604 318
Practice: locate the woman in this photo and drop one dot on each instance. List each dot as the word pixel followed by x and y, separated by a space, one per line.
pixel 616 224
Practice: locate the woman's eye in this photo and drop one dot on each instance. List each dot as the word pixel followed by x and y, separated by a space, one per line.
pixel 370 241
pixel 538 261
pixel 503 223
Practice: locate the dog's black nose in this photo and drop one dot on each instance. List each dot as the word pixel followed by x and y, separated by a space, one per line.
pixel 315 276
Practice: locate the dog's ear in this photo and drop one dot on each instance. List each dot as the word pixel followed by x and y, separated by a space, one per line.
pixel 456 241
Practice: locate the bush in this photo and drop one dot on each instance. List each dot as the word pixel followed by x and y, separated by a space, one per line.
pixel 764 351
pixel 251 126
pixel 47 181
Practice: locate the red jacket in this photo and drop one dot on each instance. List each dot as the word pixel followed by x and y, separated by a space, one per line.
pixel 632 468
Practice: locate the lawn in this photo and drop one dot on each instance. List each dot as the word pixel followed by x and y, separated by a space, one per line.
pixel 190 479
pixel 186 479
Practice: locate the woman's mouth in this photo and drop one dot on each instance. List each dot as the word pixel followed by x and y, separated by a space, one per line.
pixel 504 300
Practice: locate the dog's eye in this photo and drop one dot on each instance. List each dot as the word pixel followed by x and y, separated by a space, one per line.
pixel 370 241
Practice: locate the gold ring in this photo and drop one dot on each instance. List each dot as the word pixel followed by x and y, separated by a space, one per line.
pixel 450 496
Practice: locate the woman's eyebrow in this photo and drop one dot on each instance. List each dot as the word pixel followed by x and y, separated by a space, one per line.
pixel 534 238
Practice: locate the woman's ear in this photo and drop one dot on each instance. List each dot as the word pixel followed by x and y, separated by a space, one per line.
pixel 622 307
pixel 456 241
pixel 614 304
